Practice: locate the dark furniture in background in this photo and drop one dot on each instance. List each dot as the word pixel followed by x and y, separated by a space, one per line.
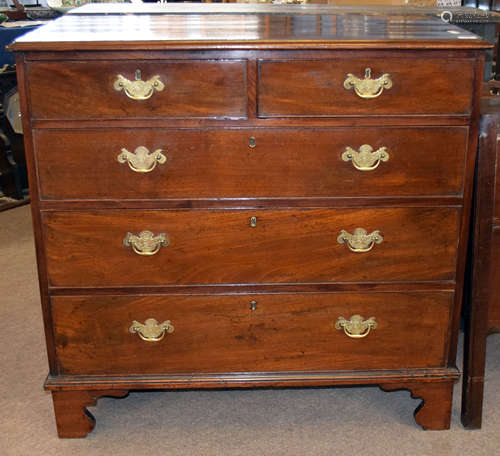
pixel 482 299
pixel 12 163
pixel 13 173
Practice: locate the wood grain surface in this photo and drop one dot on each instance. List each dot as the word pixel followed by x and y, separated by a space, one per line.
pixel 72 417
pixel 216 247
pixel 434 412
pixel 220 163
pixel 84 90
pixel 214 333
pixel 438 87
pixel 246 26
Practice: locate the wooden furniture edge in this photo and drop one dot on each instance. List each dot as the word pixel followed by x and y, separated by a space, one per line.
pixel 248 45
pixel 476 300
pixel 72 395
pixel 243 380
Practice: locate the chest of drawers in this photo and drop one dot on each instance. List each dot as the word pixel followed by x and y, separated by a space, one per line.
pixel 256 200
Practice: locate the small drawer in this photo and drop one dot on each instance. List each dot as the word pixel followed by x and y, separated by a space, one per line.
pixel 245 333
pixel 395 86
pixel 95 90
pixel 157 247
pixel 255 163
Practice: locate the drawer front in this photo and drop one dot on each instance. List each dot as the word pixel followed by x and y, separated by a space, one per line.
pixel 221 333
pixel 220 246
pixel 289 88
pixel 250 163
pixel 88 90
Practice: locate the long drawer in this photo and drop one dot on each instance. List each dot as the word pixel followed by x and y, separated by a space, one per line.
pixel 242 333
pixel 155 247
pixel 244 163
pixel 94 89
pixel 339 87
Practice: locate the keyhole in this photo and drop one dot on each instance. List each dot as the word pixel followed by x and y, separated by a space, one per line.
pixel 137 75
pixel 253 305
pixel 252 143
pixel 253 222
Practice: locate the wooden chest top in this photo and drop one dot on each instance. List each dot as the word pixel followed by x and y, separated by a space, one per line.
pixel 107 27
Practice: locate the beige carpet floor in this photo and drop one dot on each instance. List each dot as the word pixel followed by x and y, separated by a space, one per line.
pixel 324 421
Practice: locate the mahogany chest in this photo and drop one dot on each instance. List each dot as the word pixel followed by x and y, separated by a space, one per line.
pixel 262 198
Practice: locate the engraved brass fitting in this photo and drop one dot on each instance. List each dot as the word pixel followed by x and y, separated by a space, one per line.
pixel 368 87
pixel 141 160
pixel 145 243
pixel 357 327
pixel 151 330
pixel 138 89
pixel 365 159
pixel 360 241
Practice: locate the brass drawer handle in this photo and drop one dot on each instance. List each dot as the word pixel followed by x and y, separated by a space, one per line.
pixel 360 241
pixel 151 330
pixel 365 159
pixel 357 327
pixel 145 243
pixel 138 89
pixel 141 160
pixel 368 87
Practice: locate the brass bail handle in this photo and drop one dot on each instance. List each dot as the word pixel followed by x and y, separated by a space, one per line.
pixel 365 158
pixel 360 241
pixel 151 330
pixel 141 160
pixel 367 87
pixel 138 89
pixel 357 327
pixel 146 243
